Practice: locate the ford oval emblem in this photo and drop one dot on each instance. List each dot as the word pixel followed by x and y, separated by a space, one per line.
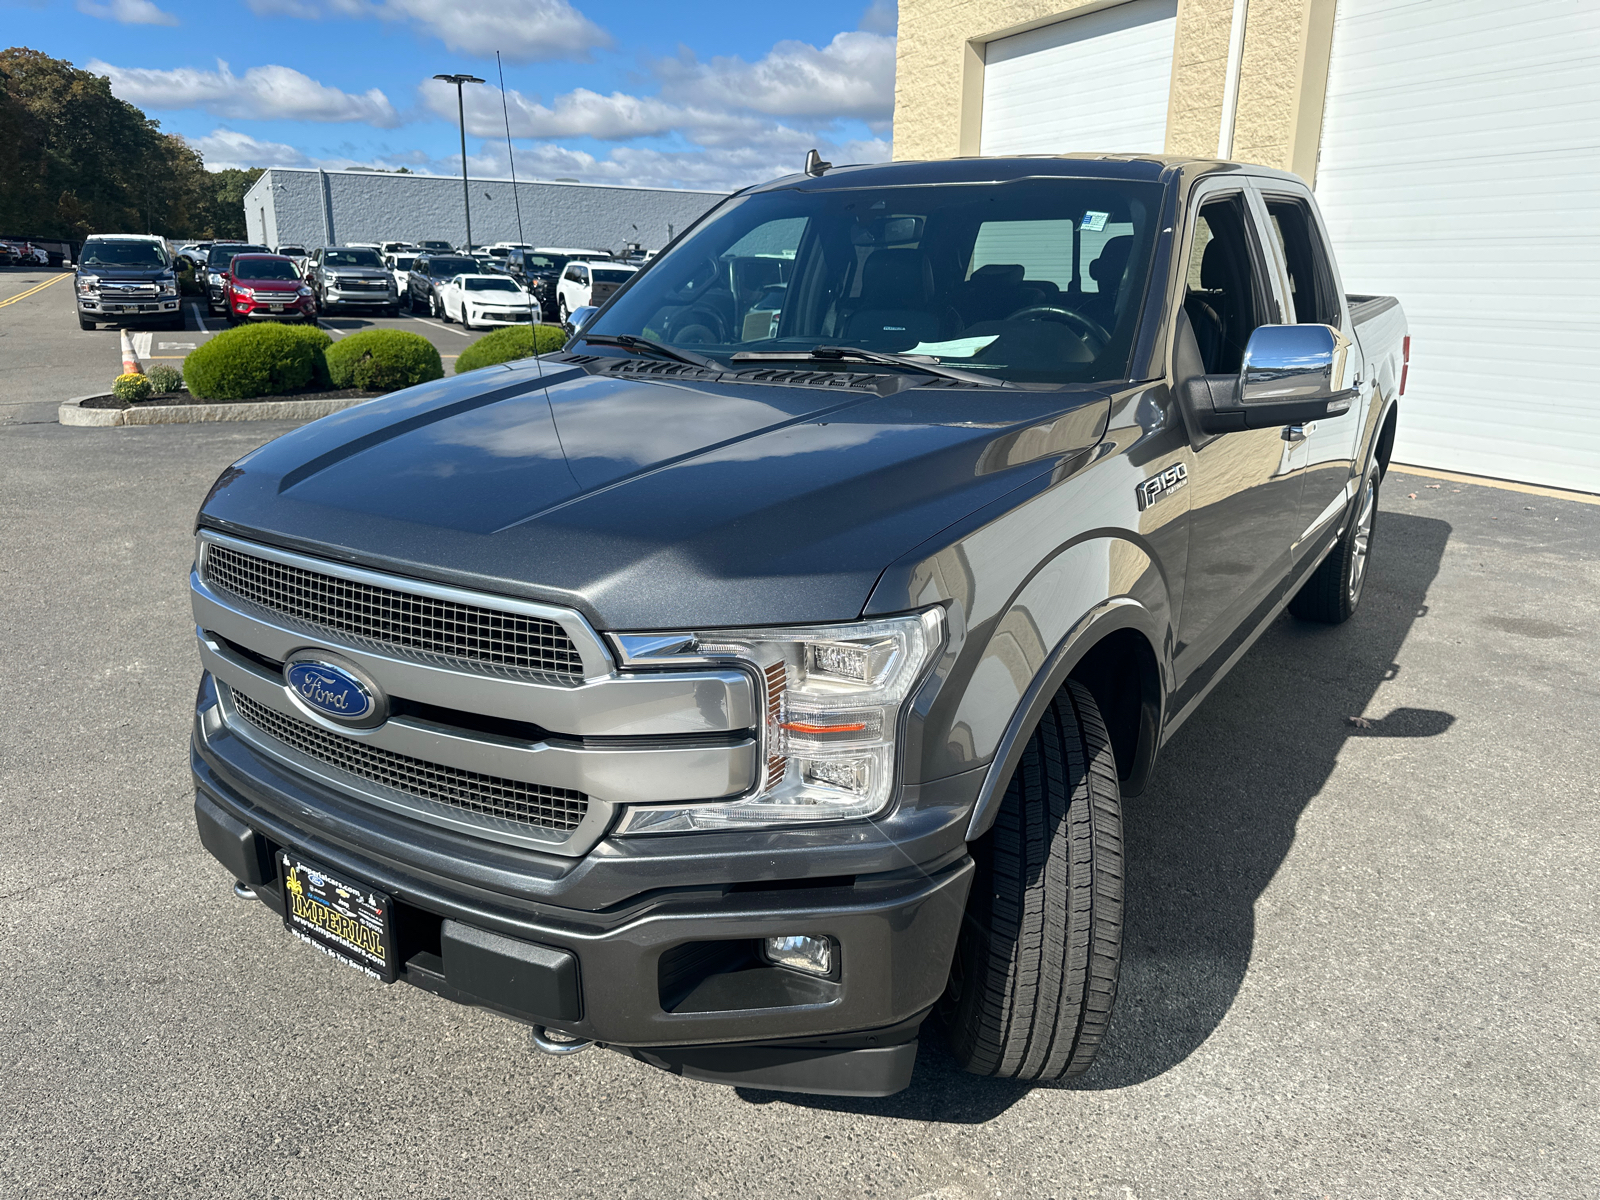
pixel 330 691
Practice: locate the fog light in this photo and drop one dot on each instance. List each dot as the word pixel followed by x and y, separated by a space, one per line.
pixel 813 955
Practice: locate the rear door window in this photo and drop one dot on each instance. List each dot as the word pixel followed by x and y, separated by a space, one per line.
pixel 1311 287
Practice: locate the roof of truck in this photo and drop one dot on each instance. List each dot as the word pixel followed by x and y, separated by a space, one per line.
pixel 978 169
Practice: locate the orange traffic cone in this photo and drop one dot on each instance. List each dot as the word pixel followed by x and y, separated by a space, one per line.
pixel 130 356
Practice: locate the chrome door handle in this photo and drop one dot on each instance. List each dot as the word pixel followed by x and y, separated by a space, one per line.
pixel 1294 433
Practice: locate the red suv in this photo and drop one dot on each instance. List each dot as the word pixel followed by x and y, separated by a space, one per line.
pixel 266 287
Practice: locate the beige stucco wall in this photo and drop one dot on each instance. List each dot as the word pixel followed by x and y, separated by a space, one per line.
pixel 939 75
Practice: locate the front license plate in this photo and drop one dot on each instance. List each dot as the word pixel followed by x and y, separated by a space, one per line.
pixel 276 307
pixel 349 921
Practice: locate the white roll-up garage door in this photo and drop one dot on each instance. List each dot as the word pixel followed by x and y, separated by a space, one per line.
pixel 1098 82
pixel 1460 171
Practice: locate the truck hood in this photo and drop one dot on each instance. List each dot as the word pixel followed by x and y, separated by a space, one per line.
pixel 650 504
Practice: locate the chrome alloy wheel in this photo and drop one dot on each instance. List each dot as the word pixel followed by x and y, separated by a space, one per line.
pixel 1362 539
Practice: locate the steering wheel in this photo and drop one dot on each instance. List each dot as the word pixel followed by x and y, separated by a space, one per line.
pixel 697 327
pixel 1086 326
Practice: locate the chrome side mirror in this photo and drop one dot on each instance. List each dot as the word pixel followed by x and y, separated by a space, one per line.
pixel 1291 374
pixel 578 318
pixel 1292 362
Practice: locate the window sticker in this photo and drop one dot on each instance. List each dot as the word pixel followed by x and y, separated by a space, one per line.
pixel 1094 221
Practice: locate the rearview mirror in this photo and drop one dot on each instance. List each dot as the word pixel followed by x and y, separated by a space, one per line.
pixel 1291 374
pixel 888 231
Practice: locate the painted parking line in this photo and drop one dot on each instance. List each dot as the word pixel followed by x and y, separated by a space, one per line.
pixel 38 287
pixel 330 329
pixel 197 317
pixel 436 325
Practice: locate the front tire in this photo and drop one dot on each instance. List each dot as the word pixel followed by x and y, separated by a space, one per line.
pixel 1035 973
pixel 1333 593
pixel 85 324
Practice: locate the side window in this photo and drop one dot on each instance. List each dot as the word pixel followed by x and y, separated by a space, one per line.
pixel 1225 296
pixel 1310 277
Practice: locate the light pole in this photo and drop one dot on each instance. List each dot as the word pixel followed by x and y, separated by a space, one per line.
pixel 461 113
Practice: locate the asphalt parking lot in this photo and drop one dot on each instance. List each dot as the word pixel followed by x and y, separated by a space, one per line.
pixel 1361 959
pixel 45 358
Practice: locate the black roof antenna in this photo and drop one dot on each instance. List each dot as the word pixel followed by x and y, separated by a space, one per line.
pixel 814 164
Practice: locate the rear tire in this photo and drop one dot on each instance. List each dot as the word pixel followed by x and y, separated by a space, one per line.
pixel 1333 593
pixel 1035 972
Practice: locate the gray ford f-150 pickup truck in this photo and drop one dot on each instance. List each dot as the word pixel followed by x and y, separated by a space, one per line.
pixel 761 675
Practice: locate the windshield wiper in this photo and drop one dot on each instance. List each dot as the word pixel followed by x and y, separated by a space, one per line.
pixel 641 345
pixel 855 353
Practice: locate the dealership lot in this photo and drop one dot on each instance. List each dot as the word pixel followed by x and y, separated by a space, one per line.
pixel 1361 960
pixel 45 358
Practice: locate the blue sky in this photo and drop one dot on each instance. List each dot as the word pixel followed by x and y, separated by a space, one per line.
pixel 707 94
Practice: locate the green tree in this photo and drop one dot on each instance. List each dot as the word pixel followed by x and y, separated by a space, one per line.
pixel 76 160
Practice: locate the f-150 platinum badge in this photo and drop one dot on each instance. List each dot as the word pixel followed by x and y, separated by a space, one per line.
pixel 1159 487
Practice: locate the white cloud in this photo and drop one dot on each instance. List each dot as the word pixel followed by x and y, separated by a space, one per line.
pixel 522 30
pixel 716 170
pixel 260 93
pixel 223 148
pixel 128 12
pixel 852 76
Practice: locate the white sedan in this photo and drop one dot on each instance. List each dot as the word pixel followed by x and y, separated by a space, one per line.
pixel 487 300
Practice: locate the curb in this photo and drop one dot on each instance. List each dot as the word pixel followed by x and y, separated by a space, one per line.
pixel 71 413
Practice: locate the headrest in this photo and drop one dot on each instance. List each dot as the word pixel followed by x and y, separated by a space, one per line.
pixel 1009 274
pixel 896 279
pixel 1108 269
pixel 1214 267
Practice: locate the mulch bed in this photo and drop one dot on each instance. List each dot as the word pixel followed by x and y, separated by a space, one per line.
pixel 162 398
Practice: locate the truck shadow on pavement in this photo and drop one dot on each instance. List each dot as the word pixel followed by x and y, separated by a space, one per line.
pixel 1211 831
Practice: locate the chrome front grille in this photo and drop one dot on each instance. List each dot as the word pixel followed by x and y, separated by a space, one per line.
pixel 388 617
pixel 526 804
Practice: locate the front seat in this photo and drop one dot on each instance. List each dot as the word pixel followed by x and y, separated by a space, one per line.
pixel 1107 272
pixel 1213 311
pixel 896 308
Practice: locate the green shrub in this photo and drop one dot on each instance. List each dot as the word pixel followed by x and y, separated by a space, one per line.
pixel 257 360
pixel 131 387
pixel 164 378
pixel 383 360
pixel 509 344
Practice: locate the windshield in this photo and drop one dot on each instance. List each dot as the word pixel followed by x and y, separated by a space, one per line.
pixel 611 275
pixel 443 268
pixel 1037 280
pixel 543 262
pixel 221 256
pixel 293 251
pixel 441 245
pixel 124 254
pixel 264 268
pixel 351 258
pixel 403 262
pixel 490 285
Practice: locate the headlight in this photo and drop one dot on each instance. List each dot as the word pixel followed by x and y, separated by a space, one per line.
pixel 88 283
pixel 247 293
pixel 304 291
pixel 169 287
pixel 214 277
pixel 833 697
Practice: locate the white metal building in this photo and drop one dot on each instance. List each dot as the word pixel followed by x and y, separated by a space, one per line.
pixel 1454 146
pixel 316 208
